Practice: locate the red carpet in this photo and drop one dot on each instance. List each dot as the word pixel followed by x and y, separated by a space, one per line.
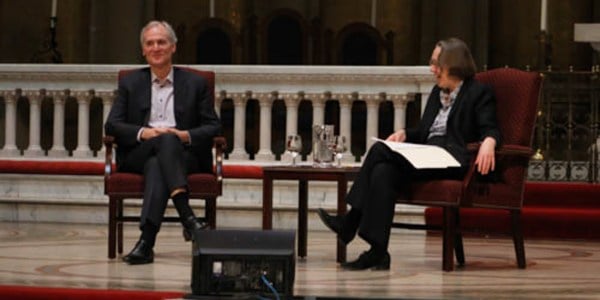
pixel 550 210
pixel 45 293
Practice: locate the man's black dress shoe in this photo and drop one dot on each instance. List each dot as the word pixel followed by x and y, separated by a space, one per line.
pixel 141 254
pixel 369 260
pixel 336 224
pixel 190 225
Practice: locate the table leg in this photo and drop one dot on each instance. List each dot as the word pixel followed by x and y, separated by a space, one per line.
pixel 267 221
pixel 302 216
pixel 341 210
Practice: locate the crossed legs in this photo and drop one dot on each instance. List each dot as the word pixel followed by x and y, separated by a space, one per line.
pixel 165 163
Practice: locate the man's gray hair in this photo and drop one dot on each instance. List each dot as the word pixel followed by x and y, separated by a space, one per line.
pixel 167 26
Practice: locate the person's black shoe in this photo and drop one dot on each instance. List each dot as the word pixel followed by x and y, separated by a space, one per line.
pixel 336 224
pixel 369 260
pixel 141 254
pixel 190 225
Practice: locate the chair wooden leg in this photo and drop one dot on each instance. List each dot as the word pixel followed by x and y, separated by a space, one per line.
pixel 120 226
pixel 112 229
pixel 517 233
pixel 458 241
pixel 448 239
pixel 211 212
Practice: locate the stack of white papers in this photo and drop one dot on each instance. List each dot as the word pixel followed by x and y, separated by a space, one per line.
pixel 423 156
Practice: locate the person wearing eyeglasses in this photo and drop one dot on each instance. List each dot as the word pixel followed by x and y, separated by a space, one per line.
pixel 459 111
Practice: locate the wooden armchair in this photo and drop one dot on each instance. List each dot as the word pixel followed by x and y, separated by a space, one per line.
pixel 517 94
pixel 119 186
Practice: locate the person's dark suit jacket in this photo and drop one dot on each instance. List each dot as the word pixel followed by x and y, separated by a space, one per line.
pixel 471 119
pixel 193 108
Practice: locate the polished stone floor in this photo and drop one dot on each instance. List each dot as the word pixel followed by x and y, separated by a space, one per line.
pixel 68 255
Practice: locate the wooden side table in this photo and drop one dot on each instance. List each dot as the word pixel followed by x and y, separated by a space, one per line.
pixel 304 174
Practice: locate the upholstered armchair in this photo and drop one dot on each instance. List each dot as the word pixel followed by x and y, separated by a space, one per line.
pixel 517 94
pixel 119 186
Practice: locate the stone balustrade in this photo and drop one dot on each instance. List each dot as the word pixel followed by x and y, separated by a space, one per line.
pixel 49 87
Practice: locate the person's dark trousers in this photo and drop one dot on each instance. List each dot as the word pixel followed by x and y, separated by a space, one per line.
pixel 382 177
pixel 165 163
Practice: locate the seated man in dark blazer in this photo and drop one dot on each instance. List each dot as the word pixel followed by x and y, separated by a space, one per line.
pixel 163 121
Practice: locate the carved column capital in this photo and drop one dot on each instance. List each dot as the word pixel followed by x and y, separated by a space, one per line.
pixel 400 101
pixel 82 97
pixel 372 100
pixel 35 96
pixel 291 100
pixel 266 99
pixel 10 97
pixel 239 99
pixel 345 100
pixel 219 97
pixel 58 97
pixel 107 97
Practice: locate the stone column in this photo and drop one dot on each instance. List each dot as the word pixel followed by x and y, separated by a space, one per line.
pixel 107 101
pixel 345 102
pixel 219 101
pixel 291 109
pixel 318 104
pixel 424 97
pixel 35 100
pixel 83 124
pixel 10 130
pixel 239 125
pixel 346 124
pixel 265 102
pixel 58 132
pixel 292 101
pixel 372 102
pixel 399 102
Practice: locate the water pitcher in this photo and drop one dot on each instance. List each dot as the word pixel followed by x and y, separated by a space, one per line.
pixel 322 155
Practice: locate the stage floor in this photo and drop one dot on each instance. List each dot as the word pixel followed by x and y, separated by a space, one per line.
pixel 39 254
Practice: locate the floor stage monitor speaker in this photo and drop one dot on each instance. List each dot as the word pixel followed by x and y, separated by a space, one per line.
pixel 230 262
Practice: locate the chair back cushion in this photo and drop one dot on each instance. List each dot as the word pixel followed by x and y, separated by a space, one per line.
pixel 517 94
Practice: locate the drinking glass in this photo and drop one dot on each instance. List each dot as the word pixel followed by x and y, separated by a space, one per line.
pixel 294 145
pixel 338 147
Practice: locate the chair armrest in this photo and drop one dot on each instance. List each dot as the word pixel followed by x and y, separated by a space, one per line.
pixel 108 157
pixel 515 150
pixel 504 150
pixel 220 144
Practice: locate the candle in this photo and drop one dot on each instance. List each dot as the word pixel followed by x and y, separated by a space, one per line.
pixel 53 13
pixel 543 15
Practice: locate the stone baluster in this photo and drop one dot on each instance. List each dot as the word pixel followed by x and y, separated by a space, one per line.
pixel 318 104
pixel 292 101
pixel 59 98
pixel 372 102
pixel 291 108
pixel 107 101
pixel 219 97
pixel 10 129
pixel 345 102
pixel 265 101
pixel 399 102
pixel 35 109
pixel 239 125
pixel 424 97
pixel 83 123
